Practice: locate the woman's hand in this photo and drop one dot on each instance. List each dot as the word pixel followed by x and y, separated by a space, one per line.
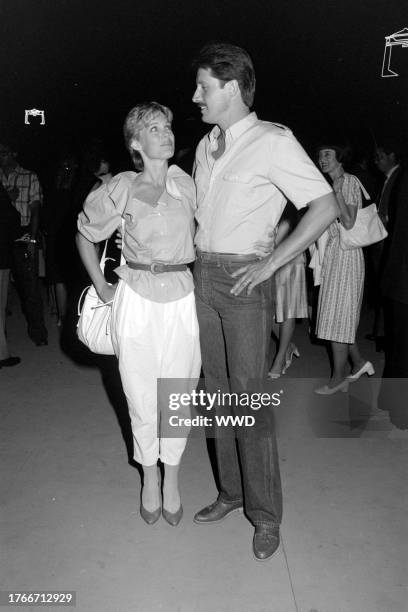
pixel 107 293
pixel 338 183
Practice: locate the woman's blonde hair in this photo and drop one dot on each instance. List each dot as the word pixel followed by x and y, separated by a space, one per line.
pixel 136 120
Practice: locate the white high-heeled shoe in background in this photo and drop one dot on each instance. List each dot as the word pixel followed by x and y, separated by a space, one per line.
pixel 367 368
pixel 292 351
pixel 326 390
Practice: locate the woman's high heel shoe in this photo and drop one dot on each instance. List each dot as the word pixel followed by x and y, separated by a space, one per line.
pixel 150 517
pixel 292 351
pixel 367 368
pixel 274 375
pixel 173 518
pixel 326 390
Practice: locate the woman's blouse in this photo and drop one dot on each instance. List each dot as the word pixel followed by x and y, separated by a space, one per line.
pixel 351 193
pixel 162 233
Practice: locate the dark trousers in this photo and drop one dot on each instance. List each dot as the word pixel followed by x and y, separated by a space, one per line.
pixel 394 387
pixel 234 335
pixel 25 273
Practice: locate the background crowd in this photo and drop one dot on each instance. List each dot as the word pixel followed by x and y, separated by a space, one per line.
pixel 38 222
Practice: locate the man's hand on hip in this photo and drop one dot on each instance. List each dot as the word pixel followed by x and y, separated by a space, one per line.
pixel 251 275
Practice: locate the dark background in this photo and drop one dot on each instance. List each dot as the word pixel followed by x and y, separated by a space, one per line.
pixel 87 62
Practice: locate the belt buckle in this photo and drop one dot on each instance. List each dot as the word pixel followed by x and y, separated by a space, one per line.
pixel 153 267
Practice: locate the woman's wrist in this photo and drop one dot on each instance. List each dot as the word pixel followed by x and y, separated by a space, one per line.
pixel 100 287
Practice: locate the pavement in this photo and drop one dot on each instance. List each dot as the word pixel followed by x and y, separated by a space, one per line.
pixel 70 505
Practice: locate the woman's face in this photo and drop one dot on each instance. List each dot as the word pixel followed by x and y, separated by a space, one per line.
pixel 103 168
pixel 328 161
pixel 156 139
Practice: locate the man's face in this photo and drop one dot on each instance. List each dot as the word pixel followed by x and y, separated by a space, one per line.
pixel 6 156
pixel 384 161
pixel 211 96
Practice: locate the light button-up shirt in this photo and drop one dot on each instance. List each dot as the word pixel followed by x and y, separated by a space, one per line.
pixel 162 233
pixel 242 194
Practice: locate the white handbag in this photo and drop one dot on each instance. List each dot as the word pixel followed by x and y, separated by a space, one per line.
pixel 94 323
pixel 367 229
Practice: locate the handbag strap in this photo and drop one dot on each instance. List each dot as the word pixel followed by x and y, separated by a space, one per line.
pixel 363 189
pixel 103 258
pixel 122 258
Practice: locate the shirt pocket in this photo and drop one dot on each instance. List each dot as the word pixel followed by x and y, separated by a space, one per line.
pixel 238 188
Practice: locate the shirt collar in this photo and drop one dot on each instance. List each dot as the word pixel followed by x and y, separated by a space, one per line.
pixel 16 170
pixel 390 172
pixel 235 130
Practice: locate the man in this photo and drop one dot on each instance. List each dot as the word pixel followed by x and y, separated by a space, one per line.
pixel 387 161
pixel 9 226
pixel 244 168
pixel 393 394
pixel 25 193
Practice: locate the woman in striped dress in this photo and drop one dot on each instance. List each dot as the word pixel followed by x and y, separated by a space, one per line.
pixel 341 290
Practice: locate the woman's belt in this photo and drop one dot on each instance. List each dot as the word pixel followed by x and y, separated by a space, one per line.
pixel 156 267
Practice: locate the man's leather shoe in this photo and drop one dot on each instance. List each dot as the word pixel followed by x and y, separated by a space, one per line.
pixel 266 542
pixel 9 362
pixel 216 512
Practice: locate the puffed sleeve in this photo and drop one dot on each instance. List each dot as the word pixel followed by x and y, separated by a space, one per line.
pixel 353 192
pixel 188 190
pixel 103 208
pixel 184 185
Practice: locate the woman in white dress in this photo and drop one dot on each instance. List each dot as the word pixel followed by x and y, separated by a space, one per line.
pixel 341 289
pixel 154 323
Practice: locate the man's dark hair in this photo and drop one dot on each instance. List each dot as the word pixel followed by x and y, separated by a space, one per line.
pixel 228 62
pixel 9 144
pixel 390 144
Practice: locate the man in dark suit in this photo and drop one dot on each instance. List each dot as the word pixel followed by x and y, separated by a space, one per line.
pixel 394 285
pixel 387 160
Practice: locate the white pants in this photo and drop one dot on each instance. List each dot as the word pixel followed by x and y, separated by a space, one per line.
pixel 153 340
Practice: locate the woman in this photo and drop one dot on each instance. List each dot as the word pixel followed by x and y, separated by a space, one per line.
pixel 154 324
pixel 60 217
pixel 341 289
pixel 290 299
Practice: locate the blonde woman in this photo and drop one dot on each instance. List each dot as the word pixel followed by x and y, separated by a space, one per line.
pixel 154 324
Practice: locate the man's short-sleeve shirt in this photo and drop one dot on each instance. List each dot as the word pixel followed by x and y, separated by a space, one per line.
pixel 241 195
pixel 29 190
